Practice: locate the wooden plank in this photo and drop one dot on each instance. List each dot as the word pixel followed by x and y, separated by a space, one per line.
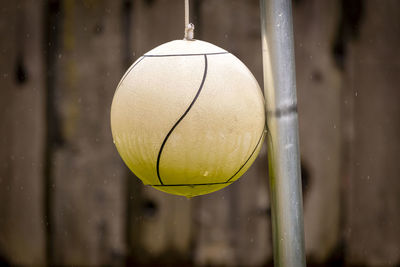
pixel 22 94
pixel 373 218
pixel 160 224
pixel 88 182
pixel 319 84
pixel 233 226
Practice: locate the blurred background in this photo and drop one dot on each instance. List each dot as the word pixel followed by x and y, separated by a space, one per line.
pixel 66 197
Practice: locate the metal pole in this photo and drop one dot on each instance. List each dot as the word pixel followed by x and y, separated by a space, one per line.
pixel 283 140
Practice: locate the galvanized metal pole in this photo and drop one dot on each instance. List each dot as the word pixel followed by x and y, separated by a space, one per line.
pixel 283 140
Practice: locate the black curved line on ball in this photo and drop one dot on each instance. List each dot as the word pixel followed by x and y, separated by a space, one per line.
pixel 180 119
pixel 128 71
pixel 262 134
pixel 159 185
pixel 188 55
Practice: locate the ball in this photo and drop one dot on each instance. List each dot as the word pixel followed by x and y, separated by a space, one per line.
pixel 188 118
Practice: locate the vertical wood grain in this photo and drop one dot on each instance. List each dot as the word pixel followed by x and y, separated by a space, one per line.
pixel 88 192
pixel 22 121
pixel 233 225
pixel 160 224
pixel 319 84
pixel 373 218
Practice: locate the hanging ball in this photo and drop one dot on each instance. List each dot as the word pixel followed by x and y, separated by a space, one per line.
pixel 188 118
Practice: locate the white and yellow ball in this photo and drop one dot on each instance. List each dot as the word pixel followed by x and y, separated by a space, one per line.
pixel 188 118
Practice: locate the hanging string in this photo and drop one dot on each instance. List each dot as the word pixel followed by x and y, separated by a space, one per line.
pixel 186 13
pixel 189 27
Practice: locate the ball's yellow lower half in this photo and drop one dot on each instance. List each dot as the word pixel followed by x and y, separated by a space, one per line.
pixel 202 189
pixel 188 122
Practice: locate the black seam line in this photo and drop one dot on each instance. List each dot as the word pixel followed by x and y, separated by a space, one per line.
pixel 254 150
pixel 187 55
pixel 128 71
pixel 283 111
pixel 190 184
pixel 180 119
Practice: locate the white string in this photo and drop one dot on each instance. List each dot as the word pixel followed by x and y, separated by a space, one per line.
pixel 186 13
pixel 189 27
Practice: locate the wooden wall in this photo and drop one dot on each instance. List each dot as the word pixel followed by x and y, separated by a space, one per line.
pixel 373 192
pixel 22 133
pixel 66 198
pixel 87 178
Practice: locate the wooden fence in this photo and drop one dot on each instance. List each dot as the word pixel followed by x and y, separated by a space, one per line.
pixel 67 199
